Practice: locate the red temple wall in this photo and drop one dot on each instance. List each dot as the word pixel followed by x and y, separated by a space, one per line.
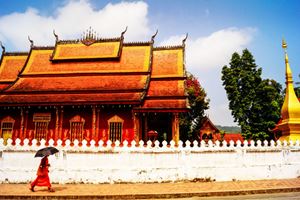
pixel 126 115
pixel 29 126
pixel 15 114
pixel 69 112
pixel 85 113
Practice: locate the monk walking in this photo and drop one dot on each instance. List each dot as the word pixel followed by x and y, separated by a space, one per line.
pixel 42 178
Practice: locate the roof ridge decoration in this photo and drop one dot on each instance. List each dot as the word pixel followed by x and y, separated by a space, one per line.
pixel 89 37
pixel 122 34
pixel 31 41
pixel 170 47
pixel 16 53
pixel 153 36
pixel 184 40
pixel 55 35
pixel 3 48
pixel 140 43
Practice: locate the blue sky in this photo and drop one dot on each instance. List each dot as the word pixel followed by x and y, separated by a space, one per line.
pixel 216 29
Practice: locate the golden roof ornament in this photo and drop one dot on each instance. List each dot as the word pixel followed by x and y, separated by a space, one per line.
pixel 290 110
pixel 284 45
pixel 89 37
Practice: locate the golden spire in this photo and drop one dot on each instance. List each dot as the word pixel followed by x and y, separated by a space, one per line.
pixel 290 111
pixel 288 71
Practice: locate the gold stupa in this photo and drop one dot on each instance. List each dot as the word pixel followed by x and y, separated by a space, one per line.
pixel 290 111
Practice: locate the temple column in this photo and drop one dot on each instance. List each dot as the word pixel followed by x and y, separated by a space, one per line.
pixel 25 124
pixel 97 125
pixel 56 135
pixel 175 128
pixel 146 126
pixel 93 123
pixel 136 127
pixel 61 123
pixel 21 135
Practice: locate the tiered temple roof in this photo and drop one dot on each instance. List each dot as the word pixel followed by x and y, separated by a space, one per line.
pixel 10 66
pixel 96 71
pixel 166 89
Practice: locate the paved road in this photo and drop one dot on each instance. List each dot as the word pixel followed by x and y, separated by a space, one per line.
pixel 181 190
pixel 278 196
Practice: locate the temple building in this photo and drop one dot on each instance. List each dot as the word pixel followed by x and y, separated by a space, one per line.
pixel 93 89
pixel 289 124
pixel 208 130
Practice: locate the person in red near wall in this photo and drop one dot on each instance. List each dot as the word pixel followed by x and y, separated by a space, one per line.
pixel 42 178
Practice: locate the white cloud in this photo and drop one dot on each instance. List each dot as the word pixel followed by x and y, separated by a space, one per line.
pixel 71 20
pixel 214 50
pixel 205 57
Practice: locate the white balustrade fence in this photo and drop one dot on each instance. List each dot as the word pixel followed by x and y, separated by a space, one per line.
pixel 148 162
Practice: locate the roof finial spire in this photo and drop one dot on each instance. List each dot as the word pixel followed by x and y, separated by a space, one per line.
pixel 153 36
pixel 90 33
pixel 3 48
pixel 122 34
pixel 31 41
pixel 183 41
pixel 55 35
pixel 284 46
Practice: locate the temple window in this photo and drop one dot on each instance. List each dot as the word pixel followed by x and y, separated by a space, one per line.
pixel 41 121
pixel 115 125
pixel 7 125
pixel 76 128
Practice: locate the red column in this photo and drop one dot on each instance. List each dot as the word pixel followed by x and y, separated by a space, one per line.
pixel 25 125
pixel 21 134
pixel 136 121
pixel 97 125
pixel 93 123
pixel 61 124
pixel 56 135
pixel 175 128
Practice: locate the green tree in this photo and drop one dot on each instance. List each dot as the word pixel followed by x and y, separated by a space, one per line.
pixel 190 122
pixel 297 89
pixel 254 103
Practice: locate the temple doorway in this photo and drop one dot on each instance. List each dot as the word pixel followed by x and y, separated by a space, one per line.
pixel 159 122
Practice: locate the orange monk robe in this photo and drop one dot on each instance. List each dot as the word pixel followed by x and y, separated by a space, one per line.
pixel 42 178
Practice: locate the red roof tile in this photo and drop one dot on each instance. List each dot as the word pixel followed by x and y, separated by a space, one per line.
pixel 230 136
pixel 166 88
pixel 165 103
pixel 133 59
pixel 126 76
pixel 80 51
pixel 168 63
pixel 80 83
pixel 65 98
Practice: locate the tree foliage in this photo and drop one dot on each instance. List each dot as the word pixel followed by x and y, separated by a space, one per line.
pixel 229 129
pixel 297 89
pixel 254 103
pixel 190 122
